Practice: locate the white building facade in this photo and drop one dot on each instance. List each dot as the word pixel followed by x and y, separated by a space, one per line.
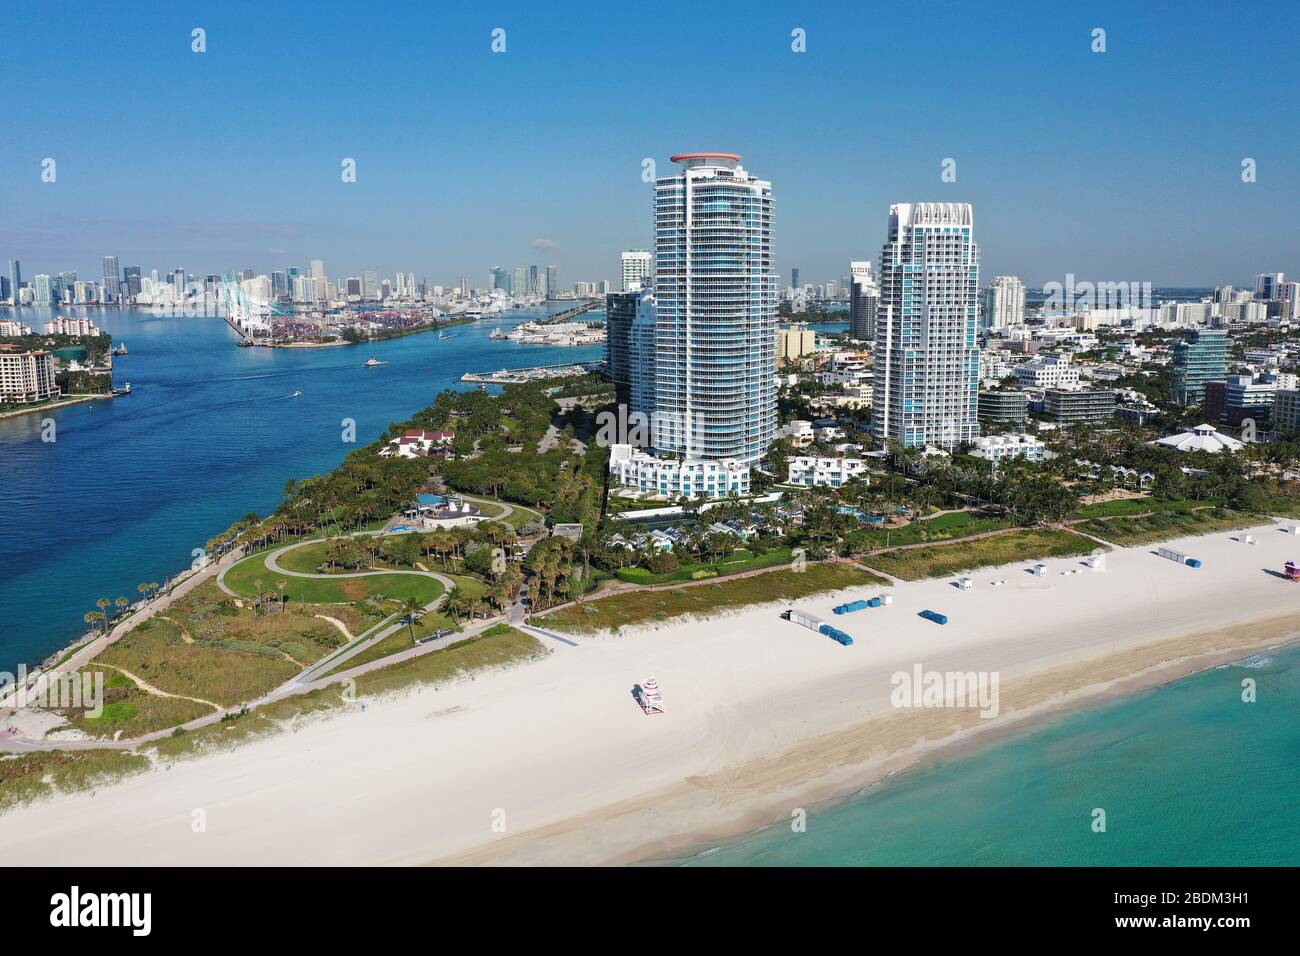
pixel 825 472
pixel 670 478
pixel 715 301
pixel 926 357
pixel 1004 303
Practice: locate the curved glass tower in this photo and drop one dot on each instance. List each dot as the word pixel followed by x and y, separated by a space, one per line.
pixel 715 298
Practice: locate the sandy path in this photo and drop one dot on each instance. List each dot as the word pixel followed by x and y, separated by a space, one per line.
pixel 148 688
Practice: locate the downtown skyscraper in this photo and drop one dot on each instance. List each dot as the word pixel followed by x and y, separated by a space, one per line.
pixel 715 312
pixel 927 359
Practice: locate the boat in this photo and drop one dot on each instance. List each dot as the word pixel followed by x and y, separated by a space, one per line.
pixel 295 394
pixel 442 334
pixel 497 334
pixel 373 362
pixel 124 390
pixel 118 349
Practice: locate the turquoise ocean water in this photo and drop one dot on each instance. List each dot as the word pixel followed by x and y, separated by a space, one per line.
pixel 1187 774
pixel 209 433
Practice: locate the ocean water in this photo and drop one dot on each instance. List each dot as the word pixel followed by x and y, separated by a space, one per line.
pixel 210 433
pixel 1187 774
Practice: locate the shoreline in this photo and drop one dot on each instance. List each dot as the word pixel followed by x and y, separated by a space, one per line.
pixel 762 716
pixel 50 406
pixel 837 784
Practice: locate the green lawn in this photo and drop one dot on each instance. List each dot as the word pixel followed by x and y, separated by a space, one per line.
pixel 1132 506
pixel 242 577
pixel 645 607
pixel 1169 524
pixel 958 524
pixel 916 563
pixel 741 560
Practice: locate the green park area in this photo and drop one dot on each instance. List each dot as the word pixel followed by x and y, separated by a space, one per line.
pixel 649 607
pixel 931 561
pixel 1168 524
pixel 243 579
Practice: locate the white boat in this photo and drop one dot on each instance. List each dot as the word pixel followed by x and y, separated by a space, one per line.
pixel 295 394
pixel 372 362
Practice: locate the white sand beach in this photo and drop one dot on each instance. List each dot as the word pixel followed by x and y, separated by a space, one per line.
pixel 554 762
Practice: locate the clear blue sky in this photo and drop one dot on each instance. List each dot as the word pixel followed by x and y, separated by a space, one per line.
pixel 1116 166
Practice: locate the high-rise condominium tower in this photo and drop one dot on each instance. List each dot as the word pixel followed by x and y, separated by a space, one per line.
pixel 863 296
pixel 636 268
pixel 715 325
pixel 112 278
pixel 927 361
pixel 1004 303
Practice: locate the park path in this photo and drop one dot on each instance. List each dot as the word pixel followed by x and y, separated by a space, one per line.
pixel 149 688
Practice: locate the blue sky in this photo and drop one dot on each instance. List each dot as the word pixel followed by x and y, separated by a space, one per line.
pixel 1124 165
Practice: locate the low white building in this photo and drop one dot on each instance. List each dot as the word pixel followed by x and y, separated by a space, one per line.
pixel 668 478
pixel 416 443
pixel 800 432
pixel 825 472
pixel 1201 438
pixel 1048 371
pixel 998 447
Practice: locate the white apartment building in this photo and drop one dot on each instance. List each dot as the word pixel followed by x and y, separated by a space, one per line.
pixel 1048 371
pixel 27 377
pixel 824 472
pixel 800 432
pixel 926 358
pixel 998 447
pixel 62 326
pixel 715 304
pixel 637 267
pixel 11 329
pixel 1004 303
pixel 669 478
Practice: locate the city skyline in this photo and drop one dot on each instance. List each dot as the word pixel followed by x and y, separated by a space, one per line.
pixel 1033 144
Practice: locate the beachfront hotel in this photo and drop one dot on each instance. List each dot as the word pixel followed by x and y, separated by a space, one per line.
pixel 715 306
pixel 927 360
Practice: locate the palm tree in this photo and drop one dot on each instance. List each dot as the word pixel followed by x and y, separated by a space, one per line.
pixel 413 609
pixel 121 604
pixel 280 586
pixel 154 586
pixel 92 617
pixel 458 605
pixel 104 604
pixel 144 590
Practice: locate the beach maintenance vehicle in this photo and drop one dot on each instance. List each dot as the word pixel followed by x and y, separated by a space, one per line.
pixel 814 623
pixel 1292 571
pixel 1178 557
